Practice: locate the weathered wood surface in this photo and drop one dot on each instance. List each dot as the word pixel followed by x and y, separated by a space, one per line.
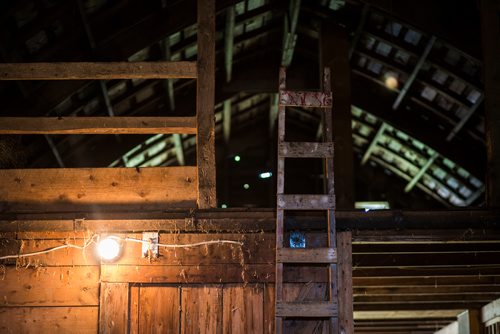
pixel 113 310
pixel 269 314
pixel 309 310
pixel 344 283
pixel 310 255
pixel 305 99
pixel 257 249
pixel 134 315
pixel 490 22
pixel 61 257
pixel 45 190
pixel 36 320
pixel 97 125
pixel 334 54
pixel 160 309
pixel 205 105
pixel 49 286
pixel 243 309
pixel 97 71
pixel 305 202
pixel 216 273
pixel 373 226
pixel 305 292
pixel 305 150
pixel 201 309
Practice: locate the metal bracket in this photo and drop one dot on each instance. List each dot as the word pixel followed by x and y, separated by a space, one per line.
pixel 150 249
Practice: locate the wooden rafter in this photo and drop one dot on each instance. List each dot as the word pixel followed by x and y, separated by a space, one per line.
pixel 97 71
pixel 97 125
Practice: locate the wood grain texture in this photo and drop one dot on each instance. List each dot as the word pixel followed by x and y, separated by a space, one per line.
pixel 113 310
pixel 334 53
pixel 44 190
pixel 305 202
pixel 134 310
pixel 217 273
pixel 159 309
pixel 61 257
pixel 310 255
pixel 303 310
pixel 97 125
pixel 269 298
pixel 345 284
pixel 305 150
pixel 201 310
pixel 97 71
pixel 60 286
pixel 205 105
pixel 243 309
pixel 256 249
pixel 34 320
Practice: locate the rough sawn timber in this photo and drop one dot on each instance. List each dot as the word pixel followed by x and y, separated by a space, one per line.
pixel 97 125
pixel 79 189
pixel 97 71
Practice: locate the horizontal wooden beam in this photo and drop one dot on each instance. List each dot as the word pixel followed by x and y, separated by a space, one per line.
pixel 388 226
pixel 217 273
pixel 311 310
pixel 49 319
pixel 310 255
pixel 95 189
pixel 98 70
pixel 427 290
pixel 97 125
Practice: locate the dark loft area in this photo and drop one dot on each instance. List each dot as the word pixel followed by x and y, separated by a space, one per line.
pixel 250 166
pixel 418 123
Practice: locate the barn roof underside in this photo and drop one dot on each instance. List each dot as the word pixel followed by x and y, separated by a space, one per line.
pixel 419 145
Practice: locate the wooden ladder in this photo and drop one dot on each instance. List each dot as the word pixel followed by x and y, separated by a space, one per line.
pixel 328 255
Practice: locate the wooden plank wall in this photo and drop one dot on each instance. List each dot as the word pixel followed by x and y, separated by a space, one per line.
pixel 80 189
pixel 51 293
pixel 208 289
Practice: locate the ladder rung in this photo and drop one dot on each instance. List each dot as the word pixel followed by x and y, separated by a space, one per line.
pixel 305 99
pixel 305 202
pixel 306 255
pixel 306 150
pixel 306 310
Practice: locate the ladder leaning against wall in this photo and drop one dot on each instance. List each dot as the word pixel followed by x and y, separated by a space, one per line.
pixel 324 308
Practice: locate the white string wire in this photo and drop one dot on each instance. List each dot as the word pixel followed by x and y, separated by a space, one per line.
pixel 18 256
pixel 91 240
pixel 196 244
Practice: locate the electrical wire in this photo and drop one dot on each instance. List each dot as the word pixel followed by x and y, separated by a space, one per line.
pixel 91 240
pixel 18 256
pixel 196 244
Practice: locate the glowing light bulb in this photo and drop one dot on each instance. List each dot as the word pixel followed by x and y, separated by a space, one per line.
pixel 237 158
pixel 391 82
pixel 265 175
pixel 246 186
pixel 109 248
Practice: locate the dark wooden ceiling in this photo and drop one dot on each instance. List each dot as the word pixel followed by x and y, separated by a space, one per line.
pixel 441 114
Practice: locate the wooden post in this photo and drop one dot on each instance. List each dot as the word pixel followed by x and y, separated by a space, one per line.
pixel 205 140
pixel 113 308
pixel 334 53
pixel 344 275
pixel 490 26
